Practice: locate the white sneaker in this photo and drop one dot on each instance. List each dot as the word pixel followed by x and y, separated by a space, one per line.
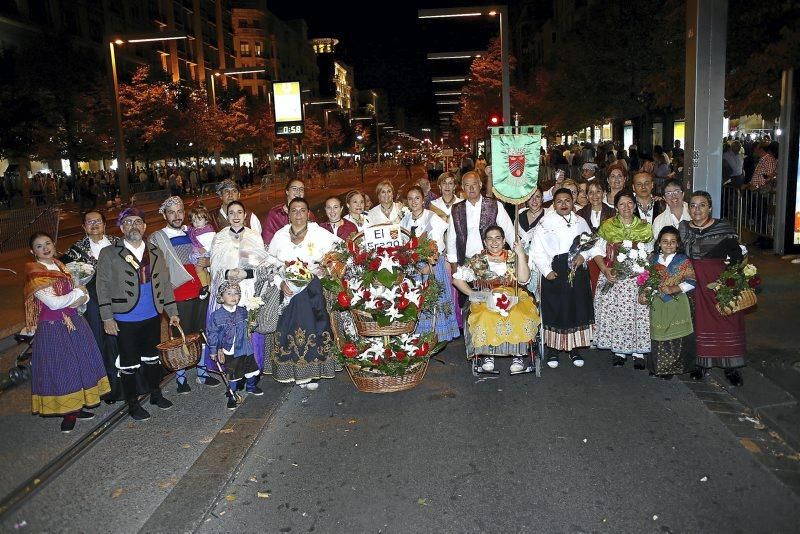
pixel 517 365
pixel 577 360
pixel 488 363
pixel 312 386
pixel 303 386
pixel 552 362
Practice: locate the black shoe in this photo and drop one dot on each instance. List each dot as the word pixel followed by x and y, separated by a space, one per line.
pixel 552 361
pixel 697 374
pixel 183 388
pixel 138 413
pixel 67 424
pixel 210 381
pixel 639 363
pixel 665 377
pixel 84 414
pixel 231 403
pixel 161 402
pixel 255 390
pixel 734 377
pixel 618 361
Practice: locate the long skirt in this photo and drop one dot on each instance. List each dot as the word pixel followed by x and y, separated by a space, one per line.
pixel 446 324
pixel 67 371
pixel 623 325
pixel 567 313
pixel 672 337
pixel 303 345
pixel 721 338
pixel 489 333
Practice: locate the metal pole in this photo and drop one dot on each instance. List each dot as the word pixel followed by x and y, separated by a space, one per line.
pixel 706 31
pixel 122 168
pixel 505 46
pixel 327 139
pixel 377 128
pixel 788 116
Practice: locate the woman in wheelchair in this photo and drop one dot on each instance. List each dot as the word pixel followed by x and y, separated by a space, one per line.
pixel 501 320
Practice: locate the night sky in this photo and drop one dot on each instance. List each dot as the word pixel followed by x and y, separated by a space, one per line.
pixel 388 49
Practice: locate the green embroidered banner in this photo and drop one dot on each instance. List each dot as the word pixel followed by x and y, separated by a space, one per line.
pixel 515 162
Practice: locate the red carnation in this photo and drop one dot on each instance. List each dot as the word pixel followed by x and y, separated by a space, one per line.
pixel 754 282
pixel 387 352
pixel 400 355
pixel 415 257
pixel 730 282
pixel 376 361
pixel 423 350
pixel 350 350
pixel 374 264
pixel 344 299
pixel 402 303
pixel 367 294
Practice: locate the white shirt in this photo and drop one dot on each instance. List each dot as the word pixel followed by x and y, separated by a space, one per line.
pixel 666 218
pixel 95 248
pixel 595 216
pixel 439 203
pixel 316 243
pixel 430 223
pixel 376 216
pixel 255 224
pixel 137 251
pixel 364 220
pixel 554 235
pixel 474 239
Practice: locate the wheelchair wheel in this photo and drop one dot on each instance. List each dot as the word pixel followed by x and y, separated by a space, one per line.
pixel 15 375
pixel 25 369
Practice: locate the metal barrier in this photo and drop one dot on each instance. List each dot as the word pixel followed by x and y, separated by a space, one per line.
pixel 150 196
pixel 747 210
pixel 17 225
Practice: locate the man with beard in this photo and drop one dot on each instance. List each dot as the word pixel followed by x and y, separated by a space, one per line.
pixel 133 288
pixel 177 247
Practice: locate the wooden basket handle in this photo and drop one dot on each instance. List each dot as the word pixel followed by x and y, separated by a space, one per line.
pixel 183 337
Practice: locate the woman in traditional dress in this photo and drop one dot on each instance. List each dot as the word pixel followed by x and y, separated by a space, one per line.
pixel 671 331
pixel 67 372
pixel 302 350
pixel 710 243
pixel 490 333
pixel 355 209
pixel 595 213
pixel 336 224
pixel 623 324
pixel 449 197
pixel 530 216
pixel 387 211
pixel 420 221
pixel 235 247
pixel 617 178
pixel 566 300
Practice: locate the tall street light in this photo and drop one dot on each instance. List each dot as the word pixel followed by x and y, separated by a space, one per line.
pixel 122 158
pixel 479 11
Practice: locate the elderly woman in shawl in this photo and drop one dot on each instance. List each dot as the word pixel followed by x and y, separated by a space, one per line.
pixel 67 368
pixel 623 324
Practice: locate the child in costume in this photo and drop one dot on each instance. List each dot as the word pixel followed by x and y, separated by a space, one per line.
pixel 201 233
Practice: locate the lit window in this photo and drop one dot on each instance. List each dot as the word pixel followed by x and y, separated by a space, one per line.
pixel 258 49
pixel 244 49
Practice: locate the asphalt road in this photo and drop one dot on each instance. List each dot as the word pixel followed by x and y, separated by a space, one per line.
pixel 577 450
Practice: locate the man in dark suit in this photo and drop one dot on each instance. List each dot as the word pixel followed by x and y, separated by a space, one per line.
pixel 133 289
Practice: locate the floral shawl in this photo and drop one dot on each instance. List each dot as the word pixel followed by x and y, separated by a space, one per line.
pixel 679 270
pixel 479 264
pixel 39 277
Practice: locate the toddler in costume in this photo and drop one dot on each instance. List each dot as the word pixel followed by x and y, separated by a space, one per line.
pixel 201 234
pixel 229 341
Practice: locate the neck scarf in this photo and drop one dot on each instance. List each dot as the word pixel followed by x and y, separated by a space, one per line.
pixel 38 277
pixel 615 231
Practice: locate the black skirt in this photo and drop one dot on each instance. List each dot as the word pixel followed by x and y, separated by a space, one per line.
pixel 566 307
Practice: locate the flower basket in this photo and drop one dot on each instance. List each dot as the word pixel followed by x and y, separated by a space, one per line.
pixel 180 353
pixel 747 299
pixel 373 382
pixel 366 327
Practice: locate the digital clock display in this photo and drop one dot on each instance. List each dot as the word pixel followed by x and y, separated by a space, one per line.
pixel 289 129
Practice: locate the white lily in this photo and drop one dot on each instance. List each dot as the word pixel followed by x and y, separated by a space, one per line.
pixel 621 257
pixel 627 243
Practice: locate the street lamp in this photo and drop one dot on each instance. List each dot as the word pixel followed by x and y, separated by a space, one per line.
pixel 377 130
pixel 122 165
pixel 505 35
pixel 233 72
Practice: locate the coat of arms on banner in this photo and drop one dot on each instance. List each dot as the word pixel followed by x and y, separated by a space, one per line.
pixel 515 162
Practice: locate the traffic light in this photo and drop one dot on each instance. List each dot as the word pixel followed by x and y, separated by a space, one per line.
pixel 494 119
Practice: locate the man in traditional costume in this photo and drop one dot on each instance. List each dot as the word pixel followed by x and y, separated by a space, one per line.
pixel 133 288
pixel 278 216
pixel 178 249
pixel 228 191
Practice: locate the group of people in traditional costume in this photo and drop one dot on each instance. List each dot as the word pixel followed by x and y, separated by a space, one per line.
pixel 200 271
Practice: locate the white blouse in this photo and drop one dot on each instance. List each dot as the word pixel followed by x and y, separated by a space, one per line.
pixel 554 235
pixel 430 223
pixel 376 215
pixel 49 298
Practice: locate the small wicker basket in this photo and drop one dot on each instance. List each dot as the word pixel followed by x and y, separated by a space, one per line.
pixel 366 327
pixel 180 353
pixel 367 382
pixel 747 299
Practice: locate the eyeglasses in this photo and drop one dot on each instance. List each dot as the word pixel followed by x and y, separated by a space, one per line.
pixel 93 222
pixel 698 205
pixel 673 193
pixel 135 222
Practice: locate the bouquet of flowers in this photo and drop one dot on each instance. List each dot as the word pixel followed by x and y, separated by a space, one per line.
pixel 581 243
pixel 629 261
pixel 649 281
pixel 81 274
pixel 398 356
pixel 735 288
pixel 252 305
pixel 297 273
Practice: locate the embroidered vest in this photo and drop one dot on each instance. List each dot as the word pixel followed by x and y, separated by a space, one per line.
pixel 488 217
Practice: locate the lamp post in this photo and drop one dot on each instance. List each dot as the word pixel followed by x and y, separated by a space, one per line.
pixel 505 35
pixel 122 165
pixel 377 129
